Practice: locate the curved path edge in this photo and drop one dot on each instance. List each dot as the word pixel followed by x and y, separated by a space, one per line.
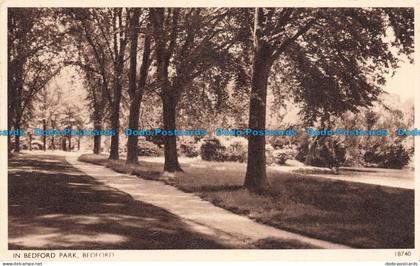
pixel 201 215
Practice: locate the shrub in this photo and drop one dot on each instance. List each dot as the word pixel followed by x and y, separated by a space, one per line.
pixel 236 151
pixel 224 150
pixel 326 152
pixel 269 158
pixel 388 155
pixel 302 150
pixel 280 156
pixel 147 148
pixel 189 149
pixel 212 150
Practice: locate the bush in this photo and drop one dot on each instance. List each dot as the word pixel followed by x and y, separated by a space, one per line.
pixel 230 150
pixel 326 152
pixel 269 157
pixel 388 155
pixel 302 149
pixel 212 150
pixel 280 156
pixel 189 149
pixel 147 148
pixel 237 151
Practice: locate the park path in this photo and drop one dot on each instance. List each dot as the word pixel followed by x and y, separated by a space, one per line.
pixel 54 206
pixel 201 215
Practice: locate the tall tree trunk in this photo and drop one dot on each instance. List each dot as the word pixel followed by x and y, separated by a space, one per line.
pixel 17 102
pixel 256 177
pixel 17 142
pixel 30 141
pixel 17 136
pixel 97 140
pixel 169 123
pixel 115 116
pixel 52 143
pixel 44 137
pixel 133 123
pixel 168 94
pixel 9 138
pixel 53 125
pixel 137 95
pixel 115 125
pixel 9 143
pixel 120 42
pixel 133 120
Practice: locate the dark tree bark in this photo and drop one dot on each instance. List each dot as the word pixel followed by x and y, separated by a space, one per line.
pixel 97 140
pixel 115 116
pixel 9 142
pixel 169 123
pixel 53 125
pixel 115 125
pixel 17 136
pixel 169 94
pixel 30 141
pixel 256 178
pixel 44 138
pixel 136 90
pixel 265 52
pixel 17 142
pixel 132 154
pixel 18 104
pixel 64 144
pixel 52 143
pixel 120 42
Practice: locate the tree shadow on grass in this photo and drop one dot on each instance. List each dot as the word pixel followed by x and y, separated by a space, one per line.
pixel 54 206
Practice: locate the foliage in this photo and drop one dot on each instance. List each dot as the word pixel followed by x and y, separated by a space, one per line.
pixel 280 156
pixel 388 154
pixel 35 56
pixel 212 150
pixel 236 151
pixel 189 149
pixel 327 152
pixel 147 148
pixel 220 150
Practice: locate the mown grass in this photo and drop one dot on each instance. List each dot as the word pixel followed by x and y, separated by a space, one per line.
pixel 358 215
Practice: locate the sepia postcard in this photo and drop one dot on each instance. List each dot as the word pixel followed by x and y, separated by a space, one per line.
pixel 209 130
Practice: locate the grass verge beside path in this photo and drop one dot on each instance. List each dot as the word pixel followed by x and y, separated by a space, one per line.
pixel 354 214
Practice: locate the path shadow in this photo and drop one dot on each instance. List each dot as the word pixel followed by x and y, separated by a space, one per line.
pixel 52 205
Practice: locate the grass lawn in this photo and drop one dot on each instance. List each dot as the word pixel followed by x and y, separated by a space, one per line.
pixel 355 214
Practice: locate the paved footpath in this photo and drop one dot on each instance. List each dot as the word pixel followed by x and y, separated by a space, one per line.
pixel 54 206
pixel 201 215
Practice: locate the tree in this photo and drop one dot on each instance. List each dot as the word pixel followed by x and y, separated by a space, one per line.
pixel 187 42
pixel 106 33
pixel 34 42
pixel 120 39
pixel 335 59
pixel 136 89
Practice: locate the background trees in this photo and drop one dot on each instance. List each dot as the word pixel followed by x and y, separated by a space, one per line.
pixel 34 43
pixel 105 31
pixel 195 66
pixel 188 42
